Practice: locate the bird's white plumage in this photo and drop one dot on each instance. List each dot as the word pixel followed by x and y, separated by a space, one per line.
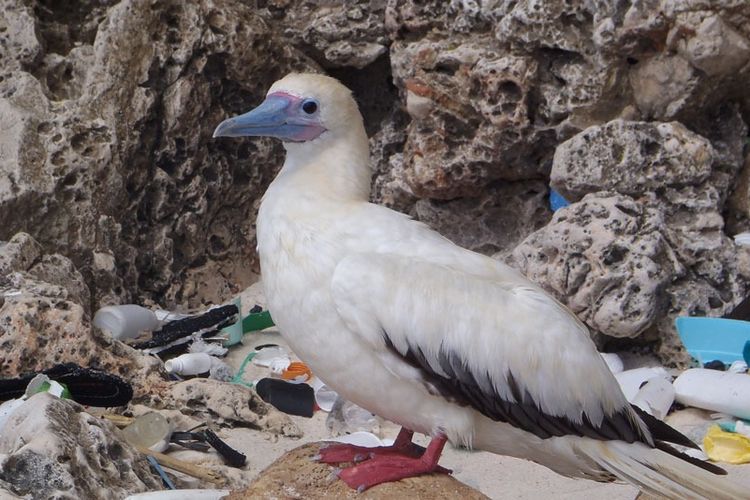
pixel 340 274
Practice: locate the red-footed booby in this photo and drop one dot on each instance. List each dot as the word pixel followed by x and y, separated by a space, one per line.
pixel 434 337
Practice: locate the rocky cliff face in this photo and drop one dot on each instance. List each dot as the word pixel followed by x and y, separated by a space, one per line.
pixel 636 111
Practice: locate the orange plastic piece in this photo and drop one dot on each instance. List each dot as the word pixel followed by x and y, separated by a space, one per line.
pixel 297 371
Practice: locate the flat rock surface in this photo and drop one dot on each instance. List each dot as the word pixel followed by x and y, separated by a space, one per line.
pixel 296 475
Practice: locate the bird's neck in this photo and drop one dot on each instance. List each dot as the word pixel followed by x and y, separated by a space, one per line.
pixel 336 169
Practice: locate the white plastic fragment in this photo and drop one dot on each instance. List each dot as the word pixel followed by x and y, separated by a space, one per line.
pixel 360 438
pixel 180 495
pixel 655 397
pixel 742 239
pixel 613 361
pixel 631 380
pixel 714 390
pixel 738 366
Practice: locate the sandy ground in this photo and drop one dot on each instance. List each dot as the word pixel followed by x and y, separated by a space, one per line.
pixel 496 476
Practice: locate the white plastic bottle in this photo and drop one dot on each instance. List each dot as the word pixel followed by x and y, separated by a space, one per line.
pixel 192 363
pixel 714 390
pixel 125 321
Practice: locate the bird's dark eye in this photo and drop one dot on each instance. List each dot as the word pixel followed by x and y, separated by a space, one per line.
pixel 309 106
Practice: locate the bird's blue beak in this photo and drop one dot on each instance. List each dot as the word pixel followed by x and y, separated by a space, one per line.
pixel 278 116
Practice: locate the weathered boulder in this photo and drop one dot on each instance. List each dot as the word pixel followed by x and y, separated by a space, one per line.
pixel 52 448
pixel 296 475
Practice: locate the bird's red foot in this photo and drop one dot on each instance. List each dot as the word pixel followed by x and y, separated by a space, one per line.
pixel 386 467
pixel 341 453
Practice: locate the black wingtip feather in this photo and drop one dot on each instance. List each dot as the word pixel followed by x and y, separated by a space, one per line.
pixel 713 469
pixel 661 431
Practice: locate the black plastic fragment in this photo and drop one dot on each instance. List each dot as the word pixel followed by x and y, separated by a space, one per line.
pixel 294 399
pixel 715 365
pixel 230 455
pixel 213 319
pixel 87 386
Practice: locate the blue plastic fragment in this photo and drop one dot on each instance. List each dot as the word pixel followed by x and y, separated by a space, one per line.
pixel 556 200
pixel 708 339
pixel 165 479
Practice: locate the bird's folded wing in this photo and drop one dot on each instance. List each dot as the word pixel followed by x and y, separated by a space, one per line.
pixel 507 349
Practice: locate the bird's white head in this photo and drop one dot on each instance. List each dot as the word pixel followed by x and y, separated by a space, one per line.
pixel 299 108
pixel 320 125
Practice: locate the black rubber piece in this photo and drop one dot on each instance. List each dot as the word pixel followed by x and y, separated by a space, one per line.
pixel 230 455
pixel 214 319
pixel 87 386
pixel 294 399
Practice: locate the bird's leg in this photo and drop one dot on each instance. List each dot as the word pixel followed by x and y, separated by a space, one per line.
pixel 391 467
pixel 340 453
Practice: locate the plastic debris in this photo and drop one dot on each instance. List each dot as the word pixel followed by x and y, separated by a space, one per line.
pixel 125 321
pixel 713 390
pixel 234 331
pixel 715 365
pixel 151 430
pixel 87 386
pixel 208 323
pixel 742 239
pixel 655 397
pixel 729 447
pixel 297 372
pixel 294 399
pixel 740 427
pixel 193 363
pixel 346 417
pixel 556 200
pixel 193 494
pixel 164 478
pixel 364 439
pixel 325 397
pixel 631 380
pixel 708 339
pixel 738 366
pixel 230 455
pixel 272 356
pixel 200 345
pixel 613 361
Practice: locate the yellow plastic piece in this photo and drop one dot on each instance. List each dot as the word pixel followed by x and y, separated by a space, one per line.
pixel 729 447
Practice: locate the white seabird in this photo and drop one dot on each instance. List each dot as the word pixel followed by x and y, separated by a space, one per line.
pixel 434 337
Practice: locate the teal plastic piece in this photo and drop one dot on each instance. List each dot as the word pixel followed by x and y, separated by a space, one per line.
pixel 707 339
pixel 234 331
pixel 238 378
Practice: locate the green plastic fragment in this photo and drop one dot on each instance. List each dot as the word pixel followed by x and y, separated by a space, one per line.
pixel 256 321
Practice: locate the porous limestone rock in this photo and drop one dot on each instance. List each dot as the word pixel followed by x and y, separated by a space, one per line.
pixel 630 158
pixel 52 448
pixel 493 222
pixel 296 475
pixel 629 266
pixel 109 108
pixel 229 405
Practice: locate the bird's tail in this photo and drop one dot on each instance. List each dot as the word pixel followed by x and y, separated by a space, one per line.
pixel 663 473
